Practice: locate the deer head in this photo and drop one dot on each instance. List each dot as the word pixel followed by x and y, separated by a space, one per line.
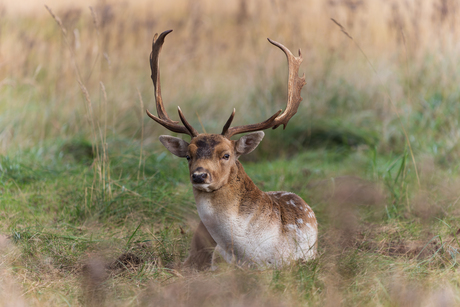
pixel 212 157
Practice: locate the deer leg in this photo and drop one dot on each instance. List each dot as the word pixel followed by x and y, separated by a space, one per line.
pixel 201 250
pixel 221 256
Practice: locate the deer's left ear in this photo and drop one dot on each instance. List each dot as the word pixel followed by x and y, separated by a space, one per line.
pixel 248 143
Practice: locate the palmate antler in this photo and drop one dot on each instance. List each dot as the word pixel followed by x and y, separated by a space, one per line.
pixel 295 84
pixel 163 118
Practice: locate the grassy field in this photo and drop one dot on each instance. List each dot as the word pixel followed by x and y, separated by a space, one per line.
pixel 94 212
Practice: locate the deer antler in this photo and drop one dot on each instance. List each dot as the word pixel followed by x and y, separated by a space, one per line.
pixel 163 118
pixel 295 84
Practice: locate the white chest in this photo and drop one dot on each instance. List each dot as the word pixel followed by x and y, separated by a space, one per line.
pixel 249 238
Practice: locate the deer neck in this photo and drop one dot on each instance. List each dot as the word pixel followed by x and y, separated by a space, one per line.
pixel 222 211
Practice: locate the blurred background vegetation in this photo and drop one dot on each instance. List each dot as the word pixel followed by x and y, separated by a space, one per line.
pixel 401 62
pixel 93 207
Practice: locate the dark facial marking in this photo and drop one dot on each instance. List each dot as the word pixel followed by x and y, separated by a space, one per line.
pixel 206 147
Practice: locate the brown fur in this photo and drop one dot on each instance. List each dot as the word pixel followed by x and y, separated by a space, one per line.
pixel 201 249
pixel 288 213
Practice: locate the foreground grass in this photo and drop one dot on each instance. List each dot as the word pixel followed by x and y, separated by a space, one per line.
pixel 68 239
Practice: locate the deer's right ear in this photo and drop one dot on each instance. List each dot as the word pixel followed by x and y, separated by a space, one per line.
pixel 175 145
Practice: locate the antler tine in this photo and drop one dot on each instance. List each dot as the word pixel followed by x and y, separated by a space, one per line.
pixel 295 84
pixel 189 127
pixel 228 123
pixel 163 118
pixel 170 125
pixel 249 128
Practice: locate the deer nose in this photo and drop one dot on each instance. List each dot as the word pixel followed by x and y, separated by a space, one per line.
pixel 199 177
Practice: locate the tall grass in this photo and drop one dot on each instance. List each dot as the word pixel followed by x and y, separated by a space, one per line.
pixel 212 63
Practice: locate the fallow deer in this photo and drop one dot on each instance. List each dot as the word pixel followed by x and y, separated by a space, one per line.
pixel 238 221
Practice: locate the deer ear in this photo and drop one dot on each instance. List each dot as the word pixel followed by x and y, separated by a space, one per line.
pixel 175 145
pixel 248 143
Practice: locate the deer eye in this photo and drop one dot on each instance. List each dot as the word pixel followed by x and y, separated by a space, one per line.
pixel 226 157
pixel 188 157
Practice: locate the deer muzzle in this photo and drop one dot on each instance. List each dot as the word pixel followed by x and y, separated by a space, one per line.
pixel 200 175
pixel 199 178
